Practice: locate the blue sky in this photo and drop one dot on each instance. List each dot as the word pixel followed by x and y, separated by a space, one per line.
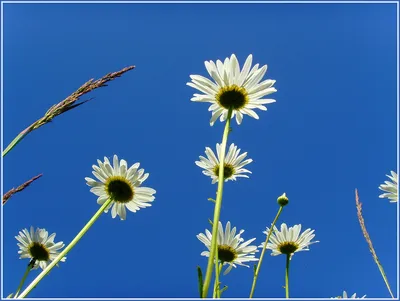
pixel 331 130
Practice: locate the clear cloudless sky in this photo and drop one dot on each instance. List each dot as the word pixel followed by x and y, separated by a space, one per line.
pixel 331 130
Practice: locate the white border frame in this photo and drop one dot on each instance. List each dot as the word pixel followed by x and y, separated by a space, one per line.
pixel 191 2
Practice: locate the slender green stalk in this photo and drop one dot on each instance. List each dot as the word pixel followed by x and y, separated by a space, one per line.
pixel 216 283
pixel 66 250
pixel 16 141
pixel 28 269
pixel 217 208
pixel 218 272
pixel 215 289
pixel 287 275
pixel 257 271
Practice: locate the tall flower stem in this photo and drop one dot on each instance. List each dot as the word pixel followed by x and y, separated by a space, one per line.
pixel 28 269
pixel 217 291
pixel 66 250
pixel 287 275
pixel 216 284
pixel 217 208
pixel 256 273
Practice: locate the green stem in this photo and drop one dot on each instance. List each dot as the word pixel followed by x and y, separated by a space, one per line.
pixel 287 275
pixel 215 289
pixel 28 269
pixel 15 141
pixel 217 208
pixel 384 276
pixel 66 250
pixel 256 273
pixel 20 136
pixel 216 284
pixel 220 265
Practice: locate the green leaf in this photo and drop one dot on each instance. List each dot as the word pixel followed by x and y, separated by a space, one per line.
pixel 200 279
pixel 10 295
pixel 223 290
pixel 211 200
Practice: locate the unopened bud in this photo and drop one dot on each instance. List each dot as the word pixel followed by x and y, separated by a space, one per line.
pixel 283 200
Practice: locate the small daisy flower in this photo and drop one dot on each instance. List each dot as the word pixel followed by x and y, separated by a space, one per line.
pixel 288 241
pixel 346 297
pixel 233 164
pixel 122 185
pixel 390 188
pixel 232 87
pixel 231 248
pixel 38 246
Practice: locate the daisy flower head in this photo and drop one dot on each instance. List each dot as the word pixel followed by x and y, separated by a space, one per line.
pixel 38 246
pixel 232 250
pixel 289 241
pixel 122 185
pixel 233 164
pixel 390 188
pixel 346 297
pixel 233 88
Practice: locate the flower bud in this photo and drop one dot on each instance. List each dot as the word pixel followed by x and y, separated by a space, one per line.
pixel 283 200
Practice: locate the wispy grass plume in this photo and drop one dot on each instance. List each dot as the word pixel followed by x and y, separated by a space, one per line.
pixel 67 104
pixel 369 241
pixel 19 188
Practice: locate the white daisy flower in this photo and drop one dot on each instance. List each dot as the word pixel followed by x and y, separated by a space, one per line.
pixel 239 89
pixel 38 246
pixel 233 164
pixel 288 241
pixel 122 185
pixel 231 249
pixel 390 188
pixel 346 297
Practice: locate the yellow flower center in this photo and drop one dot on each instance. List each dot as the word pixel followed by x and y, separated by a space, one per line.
pixel 226 253
pixel 39 251
pixel 288 247
pixel 232 96
pixel 229 170
pixel 119 189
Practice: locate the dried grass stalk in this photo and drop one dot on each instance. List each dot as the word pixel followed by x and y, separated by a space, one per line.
pixel 19 188
pixel 369 241
pixel 67 104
